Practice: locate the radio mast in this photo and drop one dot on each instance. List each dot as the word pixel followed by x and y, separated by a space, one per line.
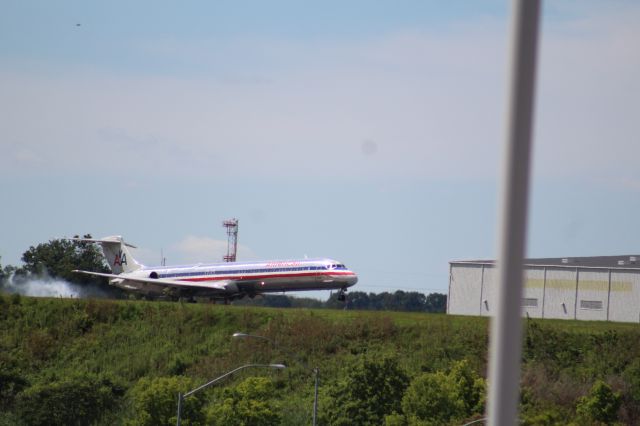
pixel 232 239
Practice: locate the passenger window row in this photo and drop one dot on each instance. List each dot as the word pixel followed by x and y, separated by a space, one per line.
pixel 252 271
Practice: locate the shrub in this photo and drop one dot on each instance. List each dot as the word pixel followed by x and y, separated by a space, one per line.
pixel 74 401
pixel 248 404
pixel 371 391
pixel 39 345
pixel 155 402
pixel 395 419
pixel 11 384
pixel 631 377
pixel 438 398
pixel 601 404
pixel 16 299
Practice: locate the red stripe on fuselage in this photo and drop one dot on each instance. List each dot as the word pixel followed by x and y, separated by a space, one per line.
pixel 240 277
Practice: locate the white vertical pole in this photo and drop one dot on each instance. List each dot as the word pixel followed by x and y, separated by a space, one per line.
pixel 178 418
pixel 449 293
pixel 575 305
pixel 506 330
pixel 544 290
pixel 481 289
pixel 315 396
pixel 609 295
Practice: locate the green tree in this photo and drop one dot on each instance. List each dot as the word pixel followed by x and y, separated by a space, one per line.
pixel 59 257
pixel 5 274
pixel 432 398
pixel 359 300
pixel 277 301
pixel 436 303
pixel 469 386
pixel 601 405
pixel 155 402
pixel 370 391
pixel 438 398
pixel 412 301
pixel 250 403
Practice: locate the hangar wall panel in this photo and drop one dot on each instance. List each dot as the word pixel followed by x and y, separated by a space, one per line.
pixel 593 295
pixel 624 302
pixel 465 289
pixel 533 292
pixel 560 293
pixel 489 291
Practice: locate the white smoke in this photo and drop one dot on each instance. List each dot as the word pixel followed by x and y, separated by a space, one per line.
pixel 41 286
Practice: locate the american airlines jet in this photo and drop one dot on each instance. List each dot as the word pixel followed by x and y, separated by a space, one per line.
pixel 221 281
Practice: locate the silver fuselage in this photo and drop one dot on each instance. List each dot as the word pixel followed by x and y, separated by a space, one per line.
pixel 240 278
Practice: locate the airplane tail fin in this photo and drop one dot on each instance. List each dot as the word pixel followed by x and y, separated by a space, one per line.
pixel 117 254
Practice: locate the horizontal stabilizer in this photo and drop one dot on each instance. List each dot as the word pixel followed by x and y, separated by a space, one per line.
pixel 103 240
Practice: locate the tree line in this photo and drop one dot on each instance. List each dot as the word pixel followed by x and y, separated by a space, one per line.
pixel 57 259
pixel 408 301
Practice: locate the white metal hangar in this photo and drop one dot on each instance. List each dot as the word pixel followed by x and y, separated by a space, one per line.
pixel 603 288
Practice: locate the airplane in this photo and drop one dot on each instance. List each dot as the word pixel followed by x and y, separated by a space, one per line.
pixel 219 281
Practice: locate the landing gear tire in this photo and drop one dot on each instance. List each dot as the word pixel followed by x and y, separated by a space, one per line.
pixel 342 296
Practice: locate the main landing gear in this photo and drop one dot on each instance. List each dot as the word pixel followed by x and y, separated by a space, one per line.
pixel 342 295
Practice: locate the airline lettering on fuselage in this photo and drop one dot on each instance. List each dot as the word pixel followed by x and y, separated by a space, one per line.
pixel 282 264
pixel 121 259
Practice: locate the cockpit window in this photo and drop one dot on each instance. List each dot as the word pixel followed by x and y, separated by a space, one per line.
pixel 336 266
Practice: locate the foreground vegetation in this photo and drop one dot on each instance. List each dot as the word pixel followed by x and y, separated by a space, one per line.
pixel 66 361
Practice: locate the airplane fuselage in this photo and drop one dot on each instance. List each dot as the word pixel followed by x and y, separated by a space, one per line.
pixel 238 279
pixel 226 281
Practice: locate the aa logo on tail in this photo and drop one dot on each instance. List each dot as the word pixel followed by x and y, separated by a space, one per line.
pixel 121 259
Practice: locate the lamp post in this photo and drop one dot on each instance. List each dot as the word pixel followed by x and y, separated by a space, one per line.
pixel 182 396
pixel 315 370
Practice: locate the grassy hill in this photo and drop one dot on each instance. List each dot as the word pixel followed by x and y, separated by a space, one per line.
pixel 57 351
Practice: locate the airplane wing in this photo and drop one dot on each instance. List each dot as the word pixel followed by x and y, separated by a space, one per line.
pixel 222 286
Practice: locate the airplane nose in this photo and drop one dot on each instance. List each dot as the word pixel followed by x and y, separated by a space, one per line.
pixel 352 280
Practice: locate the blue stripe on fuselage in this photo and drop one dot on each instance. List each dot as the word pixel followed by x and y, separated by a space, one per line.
pixel 196 273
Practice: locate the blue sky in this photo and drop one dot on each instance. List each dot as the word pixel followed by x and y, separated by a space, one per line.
pixel 371 133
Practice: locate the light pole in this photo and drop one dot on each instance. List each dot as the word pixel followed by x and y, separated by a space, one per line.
pixel 182 396
pixel 239 335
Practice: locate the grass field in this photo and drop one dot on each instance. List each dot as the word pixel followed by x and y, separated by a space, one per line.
pixel 118 344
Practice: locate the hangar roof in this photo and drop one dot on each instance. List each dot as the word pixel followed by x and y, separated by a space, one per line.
pixel 621 261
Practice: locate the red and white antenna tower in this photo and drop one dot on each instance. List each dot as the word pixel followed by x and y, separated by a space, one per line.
pixel 232 239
